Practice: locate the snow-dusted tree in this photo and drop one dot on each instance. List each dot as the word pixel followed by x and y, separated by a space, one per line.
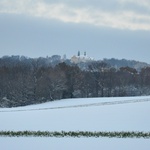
pixel 98 74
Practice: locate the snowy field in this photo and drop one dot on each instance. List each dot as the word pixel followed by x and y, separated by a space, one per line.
pixel 93 114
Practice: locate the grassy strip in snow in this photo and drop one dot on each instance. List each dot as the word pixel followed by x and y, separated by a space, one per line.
pixel 74 134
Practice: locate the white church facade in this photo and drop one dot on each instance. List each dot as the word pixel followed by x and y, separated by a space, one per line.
pixel 81 58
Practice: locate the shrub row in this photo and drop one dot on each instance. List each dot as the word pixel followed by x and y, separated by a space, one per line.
pixel 74 134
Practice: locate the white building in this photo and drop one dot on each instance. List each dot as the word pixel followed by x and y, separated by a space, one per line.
pixel 81 58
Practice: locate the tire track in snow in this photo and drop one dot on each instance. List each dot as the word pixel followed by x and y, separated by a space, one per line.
pixel 81 105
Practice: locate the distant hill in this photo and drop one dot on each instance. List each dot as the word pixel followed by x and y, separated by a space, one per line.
pixel 82 62
pixel 123 63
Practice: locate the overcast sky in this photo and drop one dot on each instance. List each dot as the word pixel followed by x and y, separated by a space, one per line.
pixel 104 29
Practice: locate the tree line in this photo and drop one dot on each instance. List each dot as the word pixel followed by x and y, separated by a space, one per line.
pixel 29 81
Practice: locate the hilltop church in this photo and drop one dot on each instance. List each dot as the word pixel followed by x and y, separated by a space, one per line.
pixel 81 58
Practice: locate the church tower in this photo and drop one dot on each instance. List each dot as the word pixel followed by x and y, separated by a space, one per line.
pixel 78 53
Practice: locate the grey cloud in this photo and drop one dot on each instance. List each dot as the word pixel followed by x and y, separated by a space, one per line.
pixel 136 7
pixel 112 5
pixel 101 4
pixel 123 14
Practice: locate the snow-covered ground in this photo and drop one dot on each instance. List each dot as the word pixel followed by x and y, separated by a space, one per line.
pixel 93 114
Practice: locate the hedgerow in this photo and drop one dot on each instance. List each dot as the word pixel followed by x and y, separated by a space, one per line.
pixel 75 134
